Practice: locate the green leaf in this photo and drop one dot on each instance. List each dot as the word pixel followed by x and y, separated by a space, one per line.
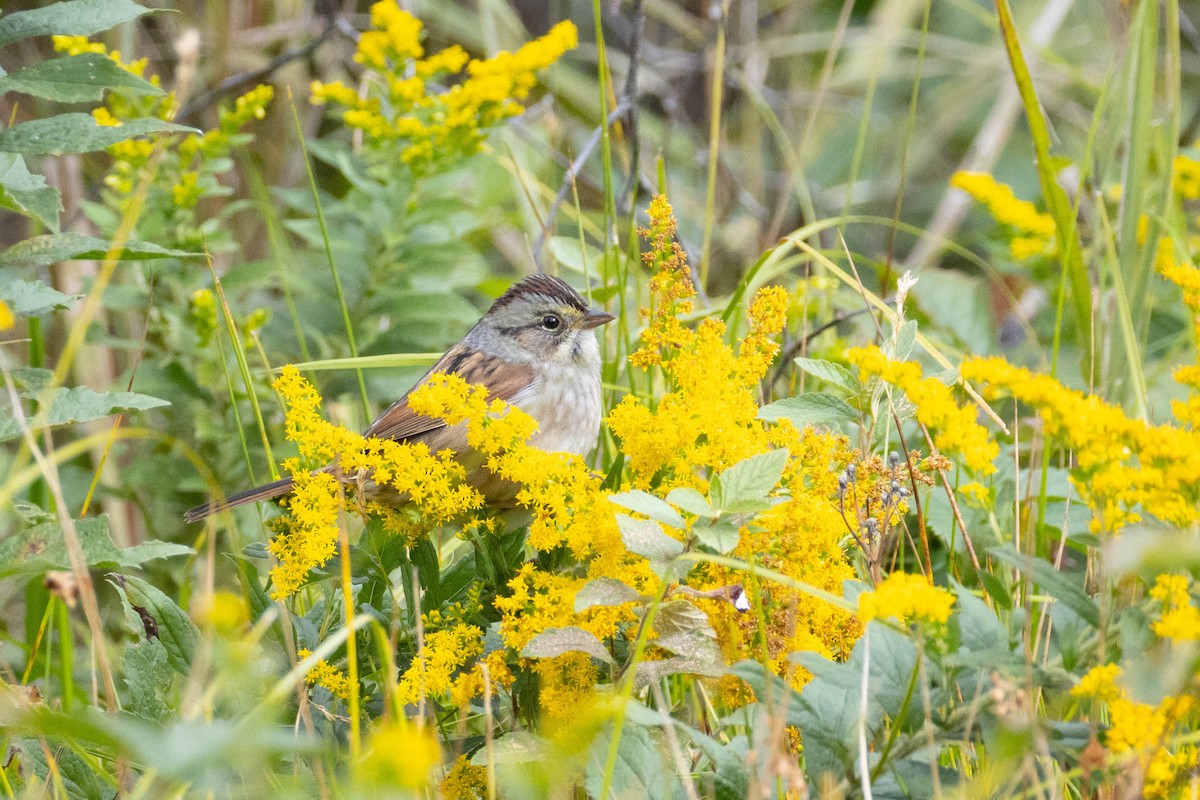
pixel 604 592
pixel 1055 583
pixel 645 537
pixel 28 193
pixel 34 298
pixel 78 133
pixel 42 251
pixel 810 408
pixel 78 779
pixel 721 536
pixel 684 630
pixel 556 641
pixel 42 547
pixel 72 18
pixel 387 361
pixel 961 303
pixel 76 79
pixel 749 481
pixel 1059 205
pixel 147 676
pixel 651 506
pixel 837 374
pixel 81 404
pixel 639 771
pixel 150 613
pixel 690 501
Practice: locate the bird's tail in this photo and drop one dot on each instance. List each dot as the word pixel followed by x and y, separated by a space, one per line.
pixel 267 491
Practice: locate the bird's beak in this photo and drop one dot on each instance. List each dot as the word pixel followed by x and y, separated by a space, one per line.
pixel 594 319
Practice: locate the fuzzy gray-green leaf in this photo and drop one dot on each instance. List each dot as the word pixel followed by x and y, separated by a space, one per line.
pixel 76 79
pixel 78 133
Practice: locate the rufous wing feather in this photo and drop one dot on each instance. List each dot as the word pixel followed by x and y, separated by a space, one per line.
pixel 502 379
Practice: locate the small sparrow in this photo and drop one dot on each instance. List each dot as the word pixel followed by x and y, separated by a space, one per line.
pixel 534 348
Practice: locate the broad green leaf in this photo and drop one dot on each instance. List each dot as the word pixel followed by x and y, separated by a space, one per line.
pixel 31 381
pixel 722 536
pixel 810 408
pixel 150 614
pixel 34 298
pixel 76 79
pixel 639 771
pixel 28 193
pixel 837 374
pixel 78 133
pixel 78 779
pixel 604 592
pixel 685 631
pixel 690 501
pixel 960 302
pixel 42 251
pixel 147 676
pixel 72 18
pixel 748 481
pixel 651 506
pixel 556 641
pixel 81 404
pixel 645 537
pixel 42 547
pixel 1056 583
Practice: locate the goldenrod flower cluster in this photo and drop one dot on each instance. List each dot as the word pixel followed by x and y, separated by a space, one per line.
pixel 326 675
pixel 430 483
pixel 954 427
pixel 1142 732
pixel 400 106
pixel 1034 229
pixel 184 173
pixel 1186 175
pixel 443 653
pixel 1180 620
pixel 400 753
pixel 708 422
pixel 1120 463
pixel 906 597
pixel 464 781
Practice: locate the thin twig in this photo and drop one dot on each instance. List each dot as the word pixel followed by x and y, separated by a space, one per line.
pixel 569 180
pixel 236 82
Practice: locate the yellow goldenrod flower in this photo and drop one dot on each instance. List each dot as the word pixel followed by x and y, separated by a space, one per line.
pixel 1035 229
pixel 432 672
pixel 906 597
pixel 1099 682
pixel 1140 732
pixel 1186 172
pixel 1120 463
pixel 104 118
pixel 464 781
pixel 954 427
pixel 402 108
pixel 400 753
pixel 326 675
pixel 1180 619
pixel 7 318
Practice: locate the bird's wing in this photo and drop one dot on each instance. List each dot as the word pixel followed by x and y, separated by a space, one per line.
pixel 502 379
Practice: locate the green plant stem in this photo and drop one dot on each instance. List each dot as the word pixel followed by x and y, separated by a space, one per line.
pixel 239 355
pixel 333 269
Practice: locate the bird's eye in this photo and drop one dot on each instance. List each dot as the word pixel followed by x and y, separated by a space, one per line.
pixel 551 322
